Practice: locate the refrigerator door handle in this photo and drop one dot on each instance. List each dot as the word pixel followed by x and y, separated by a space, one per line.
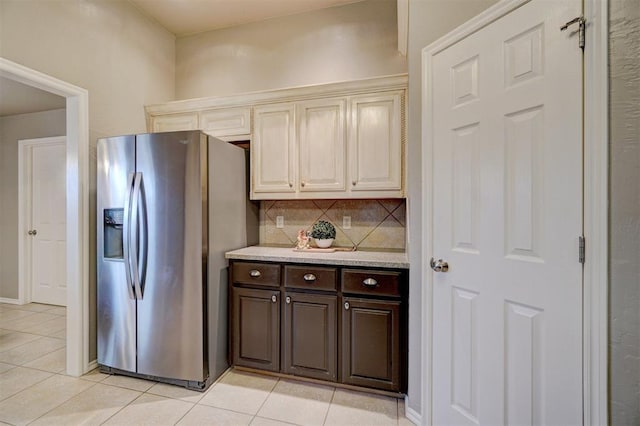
pixel 133 235
pixel 143 240
pixel 126 235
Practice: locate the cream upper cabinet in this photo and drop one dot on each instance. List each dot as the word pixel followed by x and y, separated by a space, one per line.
pixel 326 141
pixel 174 122
pixel 273 150
pixel 375 142
pixel 321 143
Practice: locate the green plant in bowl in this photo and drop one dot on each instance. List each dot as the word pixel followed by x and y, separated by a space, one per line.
pixel 323 233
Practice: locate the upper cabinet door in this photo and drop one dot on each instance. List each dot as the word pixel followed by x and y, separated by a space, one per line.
pixel 375 141
pixel 175 122
pixel 226 121
pixel 321 140
pixel 273 149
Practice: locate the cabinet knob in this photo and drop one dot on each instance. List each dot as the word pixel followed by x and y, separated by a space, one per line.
pixel 288 299
pixel 346 306
pixel 290 185
pixel 309 277
pixel 274 299
pixel 303 183
pixel 254 273
pixel 370 282
pixel 353 183
pixel 32 232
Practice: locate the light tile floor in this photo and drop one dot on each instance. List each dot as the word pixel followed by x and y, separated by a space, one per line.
pixel 35 390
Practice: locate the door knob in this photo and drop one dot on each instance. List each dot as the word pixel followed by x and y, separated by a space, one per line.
pixel 32 232
pixel 439 265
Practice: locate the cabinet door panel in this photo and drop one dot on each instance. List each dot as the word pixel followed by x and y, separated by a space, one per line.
pixel 175 122
pixel 256 328
pixel 226 121
pixel 321 136
pixel 273 149
pixel 371 343
pixel 375 142
pixel 310 336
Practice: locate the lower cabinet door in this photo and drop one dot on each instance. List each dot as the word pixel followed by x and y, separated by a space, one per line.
pixel 371 343
pixel 256 328
pixel 310 336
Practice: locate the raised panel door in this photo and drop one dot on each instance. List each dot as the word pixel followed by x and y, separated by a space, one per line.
pixel 507 213
pixel 255 333
pixel 175 122
pixel 371 343
pixel 310 336
pixel 321 139
pixel 226 121
pixel 375 142
pixel 273 149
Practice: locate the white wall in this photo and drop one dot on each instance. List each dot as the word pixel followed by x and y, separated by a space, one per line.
pixel 349 42
pixel 12 129
pixel 122 58
pixel 428 21
pixel 624 213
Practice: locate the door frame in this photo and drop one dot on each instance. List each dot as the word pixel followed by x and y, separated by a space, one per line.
pixel 77 183
pixel 595 207
pixel 25 201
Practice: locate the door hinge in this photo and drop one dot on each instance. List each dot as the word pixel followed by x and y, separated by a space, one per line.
pixel 581 249
pixel 582 24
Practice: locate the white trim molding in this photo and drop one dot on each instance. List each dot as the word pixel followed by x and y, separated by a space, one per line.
pixel 595 201
pixel 77 184
pixel 10 301
pixel 596 213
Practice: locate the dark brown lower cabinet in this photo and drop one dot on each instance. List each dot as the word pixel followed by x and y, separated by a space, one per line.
pixel 371 343
pixel 310 336
pixel 256 328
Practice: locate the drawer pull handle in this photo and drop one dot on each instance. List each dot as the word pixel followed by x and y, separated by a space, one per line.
pixel 309 277
pixel 288 299
pixel 254 273
pixel 274 299
pixel 370 282
pixel 346 306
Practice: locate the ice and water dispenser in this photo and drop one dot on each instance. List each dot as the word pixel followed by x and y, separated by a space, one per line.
pixel 113 220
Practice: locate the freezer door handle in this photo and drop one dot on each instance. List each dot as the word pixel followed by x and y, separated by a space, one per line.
pixel 126 235
pixel 133 236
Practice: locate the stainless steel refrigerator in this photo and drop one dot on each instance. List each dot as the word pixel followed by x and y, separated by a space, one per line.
pixel 168 206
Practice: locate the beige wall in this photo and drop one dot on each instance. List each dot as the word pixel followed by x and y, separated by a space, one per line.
pixel 122 58
pixel 624 213
pixel 350 42
pixel 428 21
pixel 12 129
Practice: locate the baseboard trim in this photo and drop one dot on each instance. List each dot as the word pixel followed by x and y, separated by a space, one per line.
pixel 10 301
pixel 411 414
pixel 92 365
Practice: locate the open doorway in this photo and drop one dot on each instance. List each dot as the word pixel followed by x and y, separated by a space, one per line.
pixel 77 229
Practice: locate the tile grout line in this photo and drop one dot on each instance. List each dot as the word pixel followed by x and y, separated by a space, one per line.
pixel 326 415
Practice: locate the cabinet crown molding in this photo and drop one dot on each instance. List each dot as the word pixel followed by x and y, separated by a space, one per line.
pixel 353 87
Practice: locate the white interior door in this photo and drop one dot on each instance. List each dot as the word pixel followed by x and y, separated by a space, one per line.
pixel 507 214
pixel 48 223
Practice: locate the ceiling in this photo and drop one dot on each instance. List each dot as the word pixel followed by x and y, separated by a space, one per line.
pixel 184 17
pixel 18 98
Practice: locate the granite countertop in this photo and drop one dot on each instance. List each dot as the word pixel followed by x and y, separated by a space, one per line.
pixel 377 259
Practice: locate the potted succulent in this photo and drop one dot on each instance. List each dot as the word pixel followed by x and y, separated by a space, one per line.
pixel 323 233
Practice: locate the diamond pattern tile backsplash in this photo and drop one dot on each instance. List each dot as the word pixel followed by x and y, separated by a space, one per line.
pixel 375 224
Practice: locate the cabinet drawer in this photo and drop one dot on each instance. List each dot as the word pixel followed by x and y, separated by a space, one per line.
pixel 314 278
pixel 256 273
pixel 371 282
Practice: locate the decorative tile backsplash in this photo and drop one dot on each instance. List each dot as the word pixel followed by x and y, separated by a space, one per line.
pixel 375 224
